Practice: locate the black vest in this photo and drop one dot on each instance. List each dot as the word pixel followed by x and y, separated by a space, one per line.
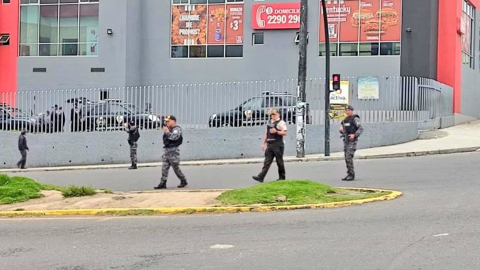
pixel 349 125
pixel 271 138
pixel 133 135
pixel 169 143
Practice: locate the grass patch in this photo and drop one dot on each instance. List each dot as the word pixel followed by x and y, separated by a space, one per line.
pixel 21 189
pixel 74 191
pixel 291 193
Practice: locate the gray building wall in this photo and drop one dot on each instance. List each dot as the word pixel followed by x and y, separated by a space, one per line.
pixel 204 144
pixel 419 43
pixel 138 53
pixel 470 95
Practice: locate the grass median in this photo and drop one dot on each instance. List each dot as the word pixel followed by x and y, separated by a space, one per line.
pixel 21 189
pixel 296 192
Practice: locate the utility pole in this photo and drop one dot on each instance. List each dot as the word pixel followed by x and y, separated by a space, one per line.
pixel 327 80
pixel 302 79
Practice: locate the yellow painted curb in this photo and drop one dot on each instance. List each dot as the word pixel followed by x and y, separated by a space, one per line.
pixel 191 210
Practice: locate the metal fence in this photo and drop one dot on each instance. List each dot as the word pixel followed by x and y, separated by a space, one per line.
pixel 233 104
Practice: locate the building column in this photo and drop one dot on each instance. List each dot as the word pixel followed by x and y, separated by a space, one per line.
pixel 9 24
pixel 449 64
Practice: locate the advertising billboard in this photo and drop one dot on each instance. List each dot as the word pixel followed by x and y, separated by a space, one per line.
pixel 276 16
pixel 362 21
pixel 215 24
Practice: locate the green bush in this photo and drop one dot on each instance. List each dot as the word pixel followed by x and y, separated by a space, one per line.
pixel 74 191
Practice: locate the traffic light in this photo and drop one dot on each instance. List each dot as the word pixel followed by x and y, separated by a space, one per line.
pixel 336 82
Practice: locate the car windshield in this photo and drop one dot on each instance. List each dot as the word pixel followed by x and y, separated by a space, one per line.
pixel 131 108
pixel 18 113
pixel 252 103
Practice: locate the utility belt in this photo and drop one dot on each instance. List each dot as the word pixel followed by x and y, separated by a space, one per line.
pixel 275 142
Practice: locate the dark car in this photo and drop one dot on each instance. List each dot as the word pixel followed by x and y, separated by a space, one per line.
pixel 255 111
pixel 113 115
pixel 15 119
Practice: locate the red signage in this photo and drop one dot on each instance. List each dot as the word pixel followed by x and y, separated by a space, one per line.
pixel 362 21
pixel 276 16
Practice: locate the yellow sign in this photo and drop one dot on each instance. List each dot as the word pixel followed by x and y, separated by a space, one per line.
pixel 339 101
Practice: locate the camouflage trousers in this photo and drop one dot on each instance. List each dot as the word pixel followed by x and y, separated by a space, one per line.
pixel 171 158
pixel 349 149
pixel 133 152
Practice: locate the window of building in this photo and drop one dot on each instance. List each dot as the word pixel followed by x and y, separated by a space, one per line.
pixel 207 28
pixel 59 27
pixel 467 25
pixel 257 38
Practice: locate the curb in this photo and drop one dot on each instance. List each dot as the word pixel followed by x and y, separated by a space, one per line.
pixel 250 161
pixel 195 210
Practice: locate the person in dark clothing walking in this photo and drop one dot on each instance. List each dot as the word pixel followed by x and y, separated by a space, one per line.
pixel 23 147
pixel 133 136
pixel 75 119
pixel 351 129
pixel 54 118
pixel 61 119
pixel 172 139
pixel 274 146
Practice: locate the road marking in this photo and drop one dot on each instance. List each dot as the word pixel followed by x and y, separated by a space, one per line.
pixel 442 234
pixel 218 246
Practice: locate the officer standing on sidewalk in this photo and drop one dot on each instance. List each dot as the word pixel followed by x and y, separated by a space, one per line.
pixel 172 139
pixel 351 129
pixel 133 136
pixel 274 146
pixel 23 148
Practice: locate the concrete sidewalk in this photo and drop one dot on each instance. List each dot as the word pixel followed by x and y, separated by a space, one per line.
pixel 458 139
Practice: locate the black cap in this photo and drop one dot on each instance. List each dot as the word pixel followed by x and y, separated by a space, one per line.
pixel 350 107
pixel 170 117
pixel 132 122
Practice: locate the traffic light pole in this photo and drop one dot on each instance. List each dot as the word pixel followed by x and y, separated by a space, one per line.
pixel 327 80
pixel 302 79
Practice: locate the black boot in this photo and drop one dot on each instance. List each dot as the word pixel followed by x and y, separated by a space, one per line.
pixel 133 167
pixel 183 184
pixel 258 179
pixel 349 177
pixel 162 185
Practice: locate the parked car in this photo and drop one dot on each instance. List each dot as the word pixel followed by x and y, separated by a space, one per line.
pixel 15 119
pixel 255 111
pixel 113 114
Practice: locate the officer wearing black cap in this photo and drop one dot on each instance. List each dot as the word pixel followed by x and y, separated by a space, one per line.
pixel 133 136
pixel 172 139
pixel 351 130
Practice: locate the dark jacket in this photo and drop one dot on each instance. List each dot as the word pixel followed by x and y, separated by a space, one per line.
pixel 173 139
pixel 133 134
pixel 22 143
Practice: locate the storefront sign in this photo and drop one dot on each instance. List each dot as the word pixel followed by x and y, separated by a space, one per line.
pixel 339 100
pixel 276 16
pixel 215 24
pixel 368 87
pixel 363 20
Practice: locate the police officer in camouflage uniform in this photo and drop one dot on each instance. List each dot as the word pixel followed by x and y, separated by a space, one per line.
pixel 133 136
pixel 351 129
pixel 172 139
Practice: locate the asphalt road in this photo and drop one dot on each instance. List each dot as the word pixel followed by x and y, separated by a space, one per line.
pixel 435 225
